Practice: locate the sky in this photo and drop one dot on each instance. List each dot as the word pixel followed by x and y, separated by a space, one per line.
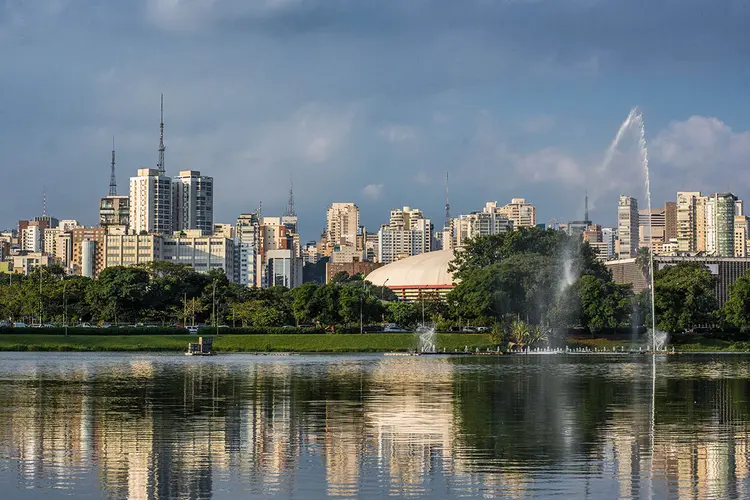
pixel 373 102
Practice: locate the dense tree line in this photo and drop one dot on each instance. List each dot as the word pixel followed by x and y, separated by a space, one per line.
pixel 526 285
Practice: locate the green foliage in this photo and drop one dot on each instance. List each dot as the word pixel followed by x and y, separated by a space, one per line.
pixel 684 297
pixel 736 310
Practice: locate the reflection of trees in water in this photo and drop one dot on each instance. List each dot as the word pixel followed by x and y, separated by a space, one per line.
pixel 159 430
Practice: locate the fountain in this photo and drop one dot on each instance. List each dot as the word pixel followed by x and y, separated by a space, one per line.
pixel 635 119
pixel 426 339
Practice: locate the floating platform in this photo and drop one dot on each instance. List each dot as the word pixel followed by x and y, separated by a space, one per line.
pixel 204 347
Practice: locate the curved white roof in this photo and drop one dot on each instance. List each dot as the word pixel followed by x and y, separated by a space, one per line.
pixel 426 269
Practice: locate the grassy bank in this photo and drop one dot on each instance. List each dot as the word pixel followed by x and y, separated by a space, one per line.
pixel 377 342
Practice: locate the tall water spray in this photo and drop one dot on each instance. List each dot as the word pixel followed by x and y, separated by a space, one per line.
pixel 635 120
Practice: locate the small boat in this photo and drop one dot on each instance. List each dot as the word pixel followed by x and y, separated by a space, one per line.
pixel 204 347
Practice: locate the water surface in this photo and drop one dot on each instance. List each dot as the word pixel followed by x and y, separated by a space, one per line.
pixel 239 426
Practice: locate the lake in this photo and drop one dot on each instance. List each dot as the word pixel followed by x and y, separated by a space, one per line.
pixel 367 426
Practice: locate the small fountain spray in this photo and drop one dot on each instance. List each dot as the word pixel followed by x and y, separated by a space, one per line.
pixel 426 339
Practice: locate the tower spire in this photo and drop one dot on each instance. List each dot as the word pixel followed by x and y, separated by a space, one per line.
pixel 290 204
pixel 586 206
pixel 447 205
pixel 44 202
pixel 160 164
pixel 112 178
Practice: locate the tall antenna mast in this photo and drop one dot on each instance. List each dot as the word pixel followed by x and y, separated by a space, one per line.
pixel 290 204
pixel 112 178
pixel 586 207
pixel 447 205
pixel 44 202
pixel 160 164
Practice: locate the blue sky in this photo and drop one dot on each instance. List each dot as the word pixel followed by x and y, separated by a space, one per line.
pixel 372 101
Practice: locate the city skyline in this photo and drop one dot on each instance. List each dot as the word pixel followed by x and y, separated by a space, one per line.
pixel 505 113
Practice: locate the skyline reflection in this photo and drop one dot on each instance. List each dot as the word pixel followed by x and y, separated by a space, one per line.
pixel 149 426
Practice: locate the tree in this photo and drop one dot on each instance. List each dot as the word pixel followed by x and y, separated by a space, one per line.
pixel 684 296
pixel 737 309
pixel 302 297
pixel 119 294
pixel 404 314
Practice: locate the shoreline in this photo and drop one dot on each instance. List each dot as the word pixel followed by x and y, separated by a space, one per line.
pixel 453 343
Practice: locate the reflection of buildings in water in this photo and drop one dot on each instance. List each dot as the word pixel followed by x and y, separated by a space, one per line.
pixel 409 410
pixel 344 444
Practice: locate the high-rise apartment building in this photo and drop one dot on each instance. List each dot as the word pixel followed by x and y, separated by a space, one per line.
pixel 408 233
pixel 670 221
pixel 652 236
pixel 522 214
pixel 627 226
pixel 247 241
pixel 724 209
pixel 150 202
pixel 283 268
pixel 741 234
pixel 31 238
pixel 687 221
pixel 193 201
pixel 88 250
pixel 114 211
pixel 342 223
pixel 491 220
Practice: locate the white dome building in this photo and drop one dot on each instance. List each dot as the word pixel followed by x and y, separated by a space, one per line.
pixel 409 278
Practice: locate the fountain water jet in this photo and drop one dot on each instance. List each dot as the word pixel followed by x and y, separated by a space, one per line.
pixel 635 119
pixel 426 339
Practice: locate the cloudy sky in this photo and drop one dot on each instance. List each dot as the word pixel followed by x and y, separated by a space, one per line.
pixel 372 101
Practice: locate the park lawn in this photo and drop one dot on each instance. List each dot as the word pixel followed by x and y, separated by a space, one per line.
pixel 374 342
pixel 599 343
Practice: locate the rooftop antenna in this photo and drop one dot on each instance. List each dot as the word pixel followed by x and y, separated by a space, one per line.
pixel 112 178
pixel 447 205
pixel 160 164
pixel 260 210
pixel 290 204
pixel 44 202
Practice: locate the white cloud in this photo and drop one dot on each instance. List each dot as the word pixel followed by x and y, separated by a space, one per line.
pixel 373 191
pixel 550 165
pixel 195 14
pixel 701 142
pixel 398 133
pixel 538 124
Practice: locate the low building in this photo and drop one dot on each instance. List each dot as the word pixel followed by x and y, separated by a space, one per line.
pixel 418 276
pixel 203 253
pixel 351 268
pixel 26 262
pixel 132 249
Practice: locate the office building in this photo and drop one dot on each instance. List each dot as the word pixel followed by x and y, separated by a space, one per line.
pixel 408 233
pixel 150 202
pixel 193 202
pixel 670 221
pixel 200 251
pixel 519 212
pixel 724 213
pixel 741 234
pixel 225 230
pixel 114 211
pixel 283 268
pixel 687 221
pixel 28 261
pixel 247 241
pixel 132 249
pixel 654 235
pixel 31 238
pixel 628 226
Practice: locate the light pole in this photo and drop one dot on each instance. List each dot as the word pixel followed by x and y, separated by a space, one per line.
pixel 65 308
pixel 361 314
pixel 40 291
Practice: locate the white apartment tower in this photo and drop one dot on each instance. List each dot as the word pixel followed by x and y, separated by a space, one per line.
pixel 247 241
pixel 150 202
pixel 342 222
pixel 193 201
pixel 627 226
pixel 408 233
pixel 491 220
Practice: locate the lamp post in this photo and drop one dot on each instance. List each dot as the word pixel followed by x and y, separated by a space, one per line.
pixel 65 308
pixel 361 314
pixel 216 322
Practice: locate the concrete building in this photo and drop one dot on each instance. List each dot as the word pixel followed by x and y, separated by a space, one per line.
pixel 522 214
pixel 627 226
pixel 724 212
pixel 687 221
pixel 200 251
pixel 741 234
pixel 64 248
pixel 408 233
pixel 88 258
pixel 491 220
pixel 283 268
pixel 132 249
pixel 27 261
pixel 31 238
pixel 193 202
pixel 150 202
pixel 225 230
pixel 310 253
pixel 351 268
pixel 81 235
pixel 670 221
pixel 68 225
pixel 647 239
pixel 50 240
pixel 342 223
pixel 247 241
pixel 114 211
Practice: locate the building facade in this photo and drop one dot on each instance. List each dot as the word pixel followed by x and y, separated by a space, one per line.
pixel 193 202
pixel 200 251
pixel 408 233
pixel 95 253
pixel 522 214
pixel 342 223
pixel 283 268
pixel 628 222
pixel 132 249
pixel 114 211
pixel 150 202
pixel 491 220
